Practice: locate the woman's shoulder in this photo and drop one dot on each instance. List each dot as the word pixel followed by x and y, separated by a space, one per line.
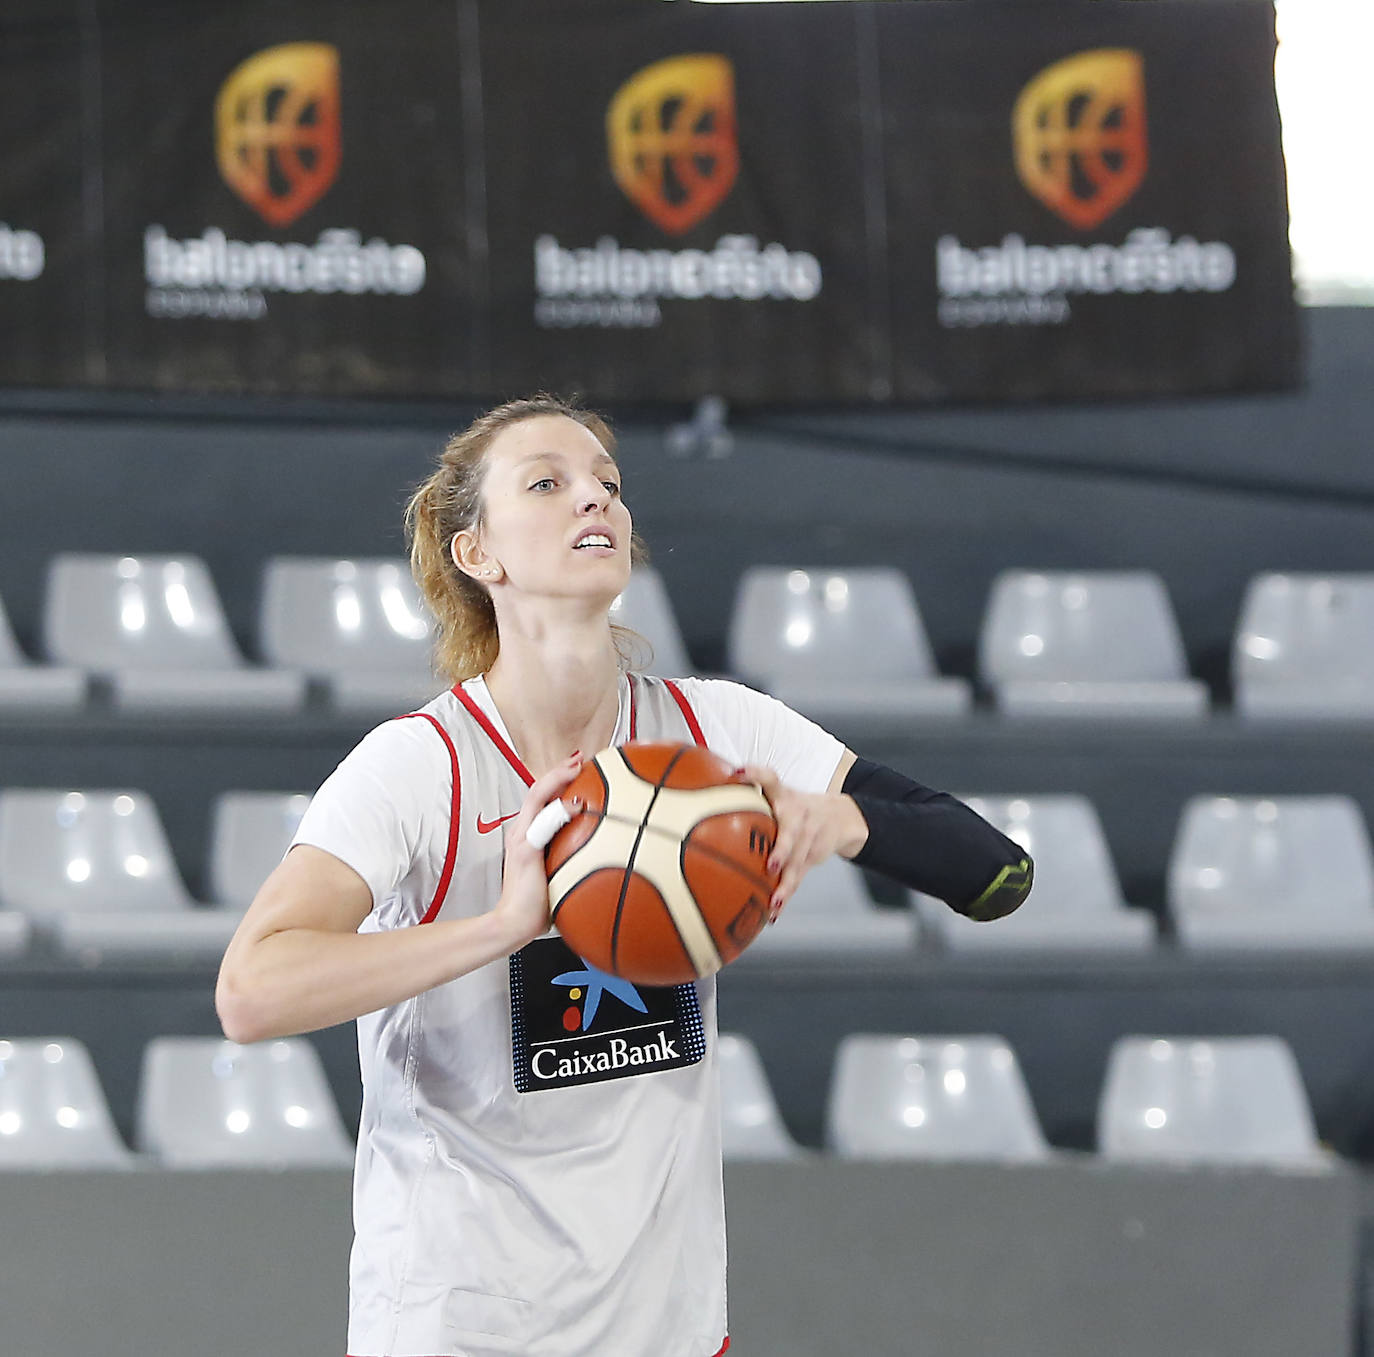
pixel 417 736
pixel 723 701
pixel 726 692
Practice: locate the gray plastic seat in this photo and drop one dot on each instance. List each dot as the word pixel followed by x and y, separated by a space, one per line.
pixel 53 1112
pixel 153 628
pixel 1087 643
pixel 359 626
pixel 1304 648
pixel 839 645
pixel 1076 902
pixel 94 873
pixel 1285 872
pixel 1206 1099
pixel 205 1103
pixel 751 1127
pixel 249 835
pixel 831 913
pixel 646 609
pixel 26 687
pixel 906 1097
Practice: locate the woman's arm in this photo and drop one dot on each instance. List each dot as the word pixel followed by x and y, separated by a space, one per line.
pixel 810 826
pixel 932 842
pixel 878 818
pixel 297 962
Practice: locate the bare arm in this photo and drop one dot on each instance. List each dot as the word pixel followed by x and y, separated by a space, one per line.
pixel 297 962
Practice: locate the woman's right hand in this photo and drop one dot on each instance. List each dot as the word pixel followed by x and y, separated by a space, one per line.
pixel 523 908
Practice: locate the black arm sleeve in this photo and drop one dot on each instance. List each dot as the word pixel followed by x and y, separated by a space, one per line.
pixel 935 844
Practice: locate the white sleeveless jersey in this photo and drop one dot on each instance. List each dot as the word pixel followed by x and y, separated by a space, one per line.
pixel 539 1166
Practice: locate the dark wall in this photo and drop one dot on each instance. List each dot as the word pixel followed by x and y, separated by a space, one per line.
pixel 1063 1259
pixel 1206 491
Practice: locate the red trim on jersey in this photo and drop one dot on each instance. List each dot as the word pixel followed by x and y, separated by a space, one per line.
pixel 493 734
pixel 692 725
pixel 451 855
pixel 634 716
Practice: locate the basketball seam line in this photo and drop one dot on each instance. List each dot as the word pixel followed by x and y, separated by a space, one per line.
pixel 601 815
pixel 630 865
pixel 701 849
pixel 716 856
pixel 722 860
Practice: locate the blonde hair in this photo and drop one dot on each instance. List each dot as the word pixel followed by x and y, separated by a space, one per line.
pixel 467 640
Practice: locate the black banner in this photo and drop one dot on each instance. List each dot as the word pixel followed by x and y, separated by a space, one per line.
pixel 692 218
pixel 48 250
pixel 1094 204
pixel 284 200
pixel 642 201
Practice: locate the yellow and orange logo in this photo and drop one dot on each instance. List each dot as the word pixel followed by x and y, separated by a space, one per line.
pixel 1078 129
pixel 671 135
pixel 277 129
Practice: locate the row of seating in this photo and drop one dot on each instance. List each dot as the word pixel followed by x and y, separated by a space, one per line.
pixel 1089 643
pixel 91 877
pixel 834 643
pixel 153 632
pixel 207 1103
pixel 202 1103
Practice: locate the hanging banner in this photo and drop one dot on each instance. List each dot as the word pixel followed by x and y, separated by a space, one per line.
pixel 676 204
pixel 1092 204
pixel 49 312
pixel 642 201
pixel 284 201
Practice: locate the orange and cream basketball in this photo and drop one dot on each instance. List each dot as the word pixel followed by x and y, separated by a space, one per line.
pixel 660 875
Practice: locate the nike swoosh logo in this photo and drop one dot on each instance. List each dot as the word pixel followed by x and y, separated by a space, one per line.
pixel 486 826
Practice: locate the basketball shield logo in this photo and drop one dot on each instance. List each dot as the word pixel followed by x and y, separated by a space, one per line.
pixel 671 135
pixel 1079 134
pixel 277 129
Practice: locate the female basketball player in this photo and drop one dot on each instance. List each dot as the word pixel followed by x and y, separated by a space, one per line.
pixel 528 1182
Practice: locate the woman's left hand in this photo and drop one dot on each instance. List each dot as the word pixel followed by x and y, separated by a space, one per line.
pixel 810 828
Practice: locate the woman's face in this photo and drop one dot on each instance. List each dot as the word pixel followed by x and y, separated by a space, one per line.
pixel 553 521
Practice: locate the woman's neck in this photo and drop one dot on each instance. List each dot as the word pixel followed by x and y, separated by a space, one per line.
pixel 556 692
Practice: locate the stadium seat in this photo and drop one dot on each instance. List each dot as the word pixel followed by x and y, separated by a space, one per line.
pixel 1075 904
pixel 1229 1099
pixel 94 873
pixel 903 1097
pixel 830 914
pixel 205 1103
pixel 1095 643
pixel 1260 873
pixel 1304 647
pixel 26 687
pixel 249 835
pixel 839 645
pixel 359 626
pixel 53 1113
pixel 751 1126
pixel 153 628
pixel 645 608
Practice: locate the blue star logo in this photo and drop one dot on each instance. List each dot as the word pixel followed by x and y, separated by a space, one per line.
pixel 598 983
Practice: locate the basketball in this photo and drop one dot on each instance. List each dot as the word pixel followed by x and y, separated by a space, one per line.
pixel 660 876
